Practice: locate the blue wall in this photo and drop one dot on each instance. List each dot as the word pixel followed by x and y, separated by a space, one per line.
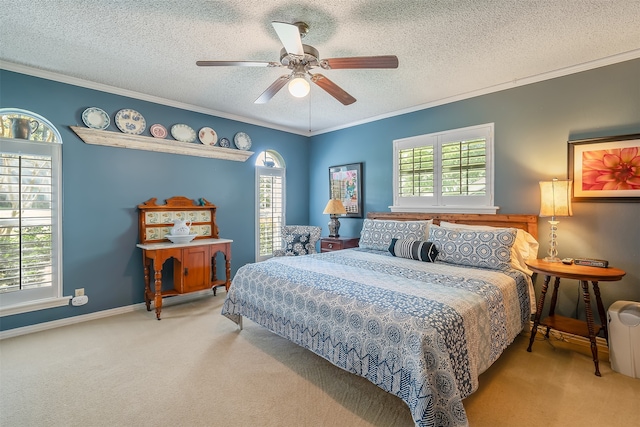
pixel 102 187
pixel 532 126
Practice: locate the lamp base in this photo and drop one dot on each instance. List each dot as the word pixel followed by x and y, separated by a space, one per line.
pixel 552 253
pixel 334 226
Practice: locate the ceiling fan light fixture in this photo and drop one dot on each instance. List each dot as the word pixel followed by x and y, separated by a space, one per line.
pixel 299 87
pixel 299 59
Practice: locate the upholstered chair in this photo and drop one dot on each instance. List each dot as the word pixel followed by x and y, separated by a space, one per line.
pixel 298 240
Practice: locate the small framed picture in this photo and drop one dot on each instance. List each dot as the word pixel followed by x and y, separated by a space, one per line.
pixel 605 169
pixel 345 184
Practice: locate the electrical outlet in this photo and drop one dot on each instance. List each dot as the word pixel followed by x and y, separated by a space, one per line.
pixel 79 292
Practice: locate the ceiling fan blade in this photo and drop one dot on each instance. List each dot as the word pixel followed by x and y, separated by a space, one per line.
pixel 272 90
pixel 237 63
pixel 289 35
pixel 384 61
pixel 332 89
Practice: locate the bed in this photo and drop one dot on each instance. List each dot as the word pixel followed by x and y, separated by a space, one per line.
pixel 425 305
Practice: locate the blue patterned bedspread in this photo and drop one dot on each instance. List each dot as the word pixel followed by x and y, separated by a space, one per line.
pixel 422 331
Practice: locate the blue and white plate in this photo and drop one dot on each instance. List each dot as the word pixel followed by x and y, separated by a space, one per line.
pixel 242 141
pixel 225 143
pixel 130 121
pixel 95 118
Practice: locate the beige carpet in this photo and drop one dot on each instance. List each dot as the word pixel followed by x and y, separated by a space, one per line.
pixel 195 368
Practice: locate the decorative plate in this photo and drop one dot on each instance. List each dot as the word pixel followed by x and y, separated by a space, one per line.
pixel 225 143
pixel 95 118
pixel 130 121
pixel 208 136
pixel 183 133
pixel 158 130
pixel 242 141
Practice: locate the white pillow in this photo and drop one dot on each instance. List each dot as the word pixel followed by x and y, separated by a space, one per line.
pixel 525 248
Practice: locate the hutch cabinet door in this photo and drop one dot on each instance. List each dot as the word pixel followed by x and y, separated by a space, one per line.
pixel 196 262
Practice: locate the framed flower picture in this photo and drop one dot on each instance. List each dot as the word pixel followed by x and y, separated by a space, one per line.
pixel 605 169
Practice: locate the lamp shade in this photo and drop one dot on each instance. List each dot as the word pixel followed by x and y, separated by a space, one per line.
pixel 334 207
pixel 555 198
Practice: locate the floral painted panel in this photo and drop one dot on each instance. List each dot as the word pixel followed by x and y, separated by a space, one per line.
pixel 159 233
pixel 167 217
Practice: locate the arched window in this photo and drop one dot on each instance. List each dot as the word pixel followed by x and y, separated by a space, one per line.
pixel 30 213
pixel 270 203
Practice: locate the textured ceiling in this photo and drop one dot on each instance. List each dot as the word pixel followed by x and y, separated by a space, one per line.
pixel 447 49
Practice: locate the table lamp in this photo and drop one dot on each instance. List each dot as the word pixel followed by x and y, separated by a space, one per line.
pixel 334 208
pixel 555 201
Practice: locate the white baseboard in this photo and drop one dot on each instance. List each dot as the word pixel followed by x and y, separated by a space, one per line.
pixel 10 333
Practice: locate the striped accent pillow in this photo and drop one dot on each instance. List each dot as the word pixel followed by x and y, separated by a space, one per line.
pixel 419 250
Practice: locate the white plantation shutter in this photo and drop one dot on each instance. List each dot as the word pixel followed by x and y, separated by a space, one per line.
pixel 464 168
pixel 416 169
pixel 270 210
pixel 30 248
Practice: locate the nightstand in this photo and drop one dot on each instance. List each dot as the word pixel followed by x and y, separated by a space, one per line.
pixel 330 244
pixel 566 324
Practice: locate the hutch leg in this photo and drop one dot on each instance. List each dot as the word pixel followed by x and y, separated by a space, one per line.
pixel 554 300
pixel 592 335
pixel 536 320
pixel 147 286
pixel 214 268
pixel 158 295
pixel 601 312
pixel 227 258
pixel 214 272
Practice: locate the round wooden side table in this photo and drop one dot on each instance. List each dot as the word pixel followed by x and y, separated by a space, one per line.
pixel 566 324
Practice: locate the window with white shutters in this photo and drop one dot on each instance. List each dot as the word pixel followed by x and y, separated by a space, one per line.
pixel 446 171
pixel 30 215
pixel 270 191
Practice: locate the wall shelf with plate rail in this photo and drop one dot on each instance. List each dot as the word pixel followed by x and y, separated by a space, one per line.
pixel 148 143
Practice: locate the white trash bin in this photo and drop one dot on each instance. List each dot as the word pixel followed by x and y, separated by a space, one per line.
pixel 624 337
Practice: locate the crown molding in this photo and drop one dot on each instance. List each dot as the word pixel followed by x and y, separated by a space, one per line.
pixel 75 81
pixel 516 82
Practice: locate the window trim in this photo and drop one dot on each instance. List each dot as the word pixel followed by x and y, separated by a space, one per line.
pixel 450 204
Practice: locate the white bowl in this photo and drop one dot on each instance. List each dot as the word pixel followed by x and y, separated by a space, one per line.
pixel 184 238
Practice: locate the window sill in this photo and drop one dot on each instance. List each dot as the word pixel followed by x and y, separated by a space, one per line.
pixel 447 209
pixel 34 306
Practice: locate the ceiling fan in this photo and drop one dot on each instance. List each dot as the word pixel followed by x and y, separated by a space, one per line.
pixel 300 58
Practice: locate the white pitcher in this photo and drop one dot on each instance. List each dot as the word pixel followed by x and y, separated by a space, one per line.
pixel 180 227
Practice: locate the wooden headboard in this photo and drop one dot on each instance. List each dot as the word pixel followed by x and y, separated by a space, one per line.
pixel 527 223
